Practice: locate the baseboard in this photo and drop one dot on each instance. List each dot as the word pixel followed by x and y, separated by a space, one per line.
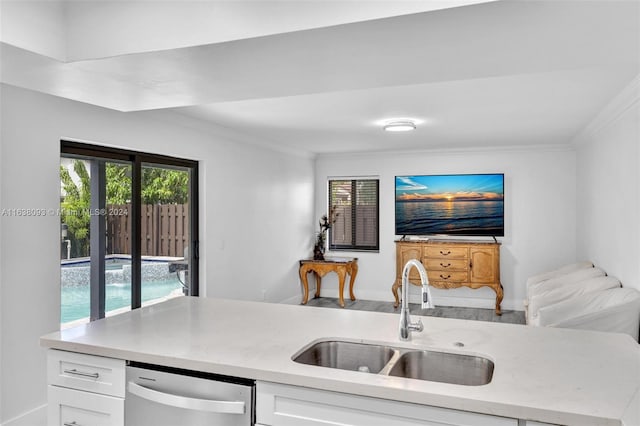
pixel 462 302
pixel 35 417
pixel 293 300
pixel 386 296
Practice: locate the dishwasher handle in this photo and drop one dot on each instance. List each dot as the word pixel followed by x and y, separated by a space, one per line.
pixel 179 401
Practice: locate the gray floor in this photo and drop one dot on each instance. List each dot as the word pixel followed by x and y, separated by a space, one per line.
pixel 511 317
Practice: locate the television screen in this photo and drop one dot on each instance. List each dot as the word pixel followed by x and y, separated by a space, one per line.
pixel 470 205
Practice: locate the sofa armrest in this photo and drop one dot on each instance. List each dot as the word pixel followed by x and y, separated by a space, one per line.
pixel 613 310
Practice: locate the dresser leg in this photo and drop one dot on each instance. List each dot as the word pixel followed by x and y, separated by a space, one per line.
pixel 499 296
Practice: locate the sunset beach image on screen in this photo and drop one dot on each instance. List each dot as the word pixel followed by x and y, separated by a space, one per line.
pixel 461 204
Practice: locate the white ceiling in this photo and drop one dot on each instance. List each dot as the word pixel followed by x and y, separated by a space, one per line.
pixel 323 76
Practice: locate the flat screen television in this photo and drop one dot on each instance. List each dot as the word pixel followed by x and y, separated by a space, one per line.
pixel 460 204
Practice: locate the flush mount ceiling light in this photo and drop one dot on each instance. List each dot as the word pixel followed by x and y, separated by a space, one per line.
pixel 399 126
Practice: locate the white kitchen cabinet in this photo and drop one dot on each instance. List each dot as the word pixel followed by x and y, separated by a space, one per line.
pixel 84 389
pixel 70 407
pixel 284 405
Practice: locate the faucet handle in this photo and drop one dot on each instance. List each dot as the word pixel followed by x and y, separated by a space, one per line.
pixel 416 326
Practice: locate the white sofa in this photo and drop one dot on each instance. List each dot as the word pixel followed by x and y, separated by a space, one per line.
pixel 580 295
pixel 551 295
pixel 567 275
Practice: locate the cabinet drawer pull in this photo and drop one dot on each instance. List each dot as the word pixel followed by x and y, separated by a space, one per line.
pixel 445 254
pixel 445 278
pixel 445 266
pixel 73 423
pixel 75 372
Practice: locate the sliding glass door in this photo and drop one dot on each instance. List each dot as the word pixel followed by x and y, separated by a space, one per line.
pixel 165 231
pixel 128 225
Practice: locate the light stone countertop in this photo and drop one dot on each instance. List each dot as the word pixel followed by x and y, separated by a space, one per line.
pixel 550 375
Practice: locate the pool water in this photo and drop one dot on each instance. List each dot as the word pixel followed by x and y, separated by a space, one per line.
pixel 157 282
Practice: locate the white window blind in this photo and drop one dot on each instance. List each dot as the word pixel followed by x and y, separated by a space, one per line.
pixel 356 214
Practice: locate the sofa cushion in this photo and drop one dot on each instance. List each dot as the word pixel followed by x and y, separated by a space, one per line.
pixel 563 270
pixel 570 278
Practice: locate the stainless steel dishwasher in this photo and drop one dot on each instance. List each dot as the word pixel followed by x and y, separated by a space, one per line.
pixel 163 396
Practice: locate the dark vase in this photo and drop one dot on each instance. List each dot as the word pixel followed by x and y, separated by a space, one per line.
pixel 318 249
pixel 318 252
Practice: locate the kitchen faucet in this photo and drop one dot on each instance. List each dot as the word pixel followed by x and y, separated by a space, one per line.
pixel 406 326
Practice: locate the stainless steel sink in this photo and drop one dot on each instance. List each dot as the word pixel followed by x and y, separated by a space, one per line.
pixel 389 360
pixel 444 367
pixel 347 356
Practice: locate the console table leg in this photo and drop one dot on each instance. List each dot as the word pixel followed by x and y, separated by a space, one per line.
pixel 353 273
pixel 318 283
pixel 305 285
pixel 341 277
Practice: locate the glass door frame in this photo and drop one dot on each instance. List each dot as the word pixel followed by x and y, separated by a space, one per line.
pixel 137 159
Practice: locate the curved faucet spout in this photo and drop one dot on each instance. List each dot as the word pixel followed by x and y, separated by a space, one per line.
pixel 407 267
pixel 406 326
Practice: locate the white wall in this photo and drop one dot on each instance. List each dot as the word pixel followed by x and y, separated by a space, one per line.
pixel 1 260
pixel 18 18
pixel 256 215
pixel 540 210
pixel 608 187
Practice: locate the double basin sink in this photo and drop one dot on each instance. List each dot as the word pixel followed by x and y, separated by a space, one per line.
pixel 435 366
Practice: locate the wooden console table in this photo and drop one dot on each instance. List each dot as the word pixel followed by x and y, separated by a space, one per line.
pixel 340 265
pixel 451 264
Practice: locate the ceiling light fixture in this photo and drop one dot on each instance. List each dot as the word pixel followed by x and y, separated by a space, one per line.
pixel 400 126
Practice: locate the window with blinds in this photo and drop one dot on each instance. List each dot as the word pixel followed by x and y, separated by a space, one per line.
pixel 356 214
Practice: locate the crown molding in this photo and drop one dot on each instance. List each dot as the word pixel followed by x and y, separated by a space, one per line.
pixel 628 98
pixel 563 147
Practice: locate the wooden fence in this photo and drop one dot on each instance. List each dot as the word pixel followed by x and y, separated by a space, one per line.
pixel 165 229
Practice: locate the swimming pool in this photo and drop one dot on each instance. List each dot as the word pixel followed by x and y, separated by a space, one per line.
pixel 157 282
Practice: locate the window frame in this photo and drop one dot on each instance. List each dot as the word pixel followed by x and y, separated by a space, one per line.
pixel 354 218
pixel 137 159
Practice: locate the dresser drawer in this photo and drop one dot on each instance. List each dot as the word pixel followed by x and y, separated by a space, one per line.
pixel 445 264
pixel 447 276
pixel 86 372
pixel 446 252
pixel 71 407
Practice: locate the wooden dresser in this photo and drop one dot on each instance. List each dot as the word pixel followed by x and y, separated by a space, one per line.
pixel 451 264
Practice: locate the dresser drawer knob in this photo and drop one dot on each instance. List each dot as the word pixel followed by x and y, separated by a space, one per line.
pixel 448 252
pixel 445 266
pixel 445 278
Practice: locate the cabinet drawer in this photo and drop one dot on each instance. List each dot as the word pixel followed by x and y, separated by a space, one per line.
pixel 284 405
pixel 446 252
pixel 69 407
pixel 86 372
pixel 445 264
pixel 447 276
